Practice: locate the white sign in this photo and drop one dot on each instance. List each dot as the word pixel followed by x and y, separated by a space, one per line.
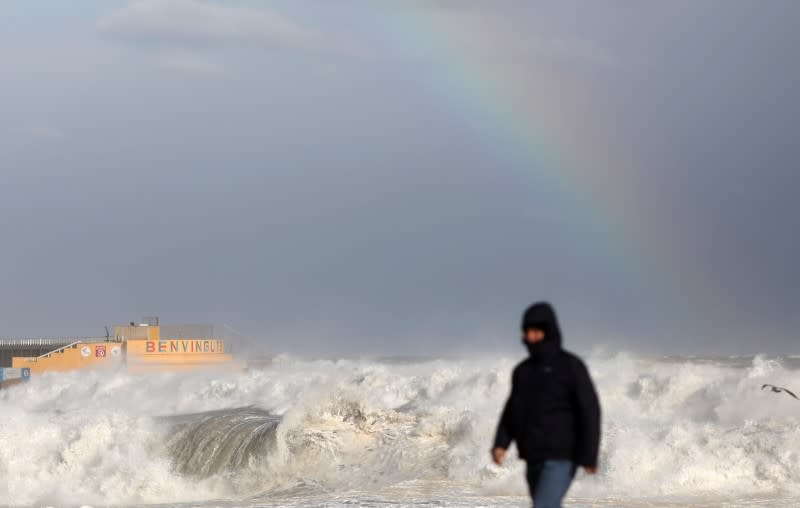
pixel 86 351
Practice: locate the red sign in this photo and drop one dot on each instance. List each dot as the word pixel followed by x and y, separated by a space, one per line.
pixel 100 351
pixel 185 346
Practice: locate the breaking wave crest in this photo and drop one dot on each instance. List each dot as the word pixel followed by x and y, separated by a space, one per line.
pixel 221 441
pixel 673 428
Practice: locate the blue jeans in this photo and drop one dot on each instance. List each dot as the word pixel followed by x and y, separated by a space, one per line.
pixel 549 481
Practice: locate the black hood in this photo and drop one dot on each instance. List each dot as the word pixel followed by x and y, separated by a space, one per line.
pixel 542 316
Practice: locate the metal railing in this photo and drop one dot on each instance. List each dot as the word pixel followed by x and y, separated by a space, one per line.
pixel 58 350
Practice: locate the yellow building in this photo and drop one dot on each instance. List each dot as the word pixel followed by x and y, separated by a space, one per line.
pixel 136 347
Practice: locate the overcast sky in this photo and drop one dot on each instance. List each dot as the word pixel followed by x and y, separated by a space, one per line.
pixel 323 174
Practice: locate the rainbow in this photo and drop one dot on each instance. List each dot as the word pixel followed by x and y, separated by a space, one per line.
pixel 548 129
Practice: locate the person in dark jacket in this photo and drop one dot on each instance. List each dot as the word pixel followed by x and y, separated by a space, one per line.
pixel 552 413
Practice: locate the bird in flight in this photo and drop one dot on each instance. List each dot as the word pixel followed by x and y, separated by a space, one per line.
pixel 778 389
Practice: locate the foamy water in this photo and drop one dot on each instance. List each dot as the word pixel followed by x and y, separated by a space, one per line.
pixel 676 432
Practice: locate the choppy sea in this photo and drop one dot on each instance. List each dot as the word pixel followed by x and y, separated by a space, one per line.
pixel 676 432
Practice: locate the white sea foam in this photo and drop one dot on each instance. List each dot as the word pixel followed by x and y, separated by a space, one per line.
pixel 303 433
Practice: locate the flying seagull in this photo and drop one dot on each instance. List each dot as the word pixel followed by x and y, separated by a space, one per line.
pixel 778 389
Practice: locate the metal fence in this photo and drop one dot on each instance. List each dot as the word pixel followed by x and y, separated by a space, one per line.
pixel 37 342
pixel 191 331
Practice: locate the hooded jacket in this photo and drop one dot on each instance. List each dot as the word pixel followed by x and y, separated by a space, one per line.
pixel 553 411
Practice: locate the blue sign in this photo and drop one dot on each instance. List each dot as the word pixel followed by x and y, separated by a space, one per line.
pixel 11 373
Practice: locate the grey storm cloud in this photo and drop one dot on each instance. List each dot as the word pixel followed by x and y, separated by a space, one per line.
pixel 196 37
pixel 188 22
pixel 315 174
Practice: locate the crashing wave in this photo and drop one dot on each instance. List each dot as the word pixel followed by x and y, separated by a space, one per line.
pixel 673 428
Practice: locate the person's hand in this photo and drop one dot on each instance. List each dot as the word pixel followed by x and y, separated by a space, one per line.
pixel 498 456
pixel 590 470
